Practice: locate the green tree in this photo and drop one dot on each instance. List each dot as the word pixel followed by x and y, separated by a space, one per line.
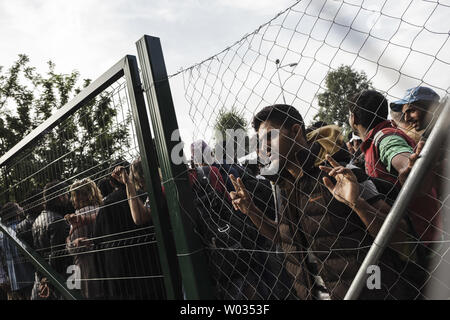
pixel 341 84
pixel 231 119
pixel 77 147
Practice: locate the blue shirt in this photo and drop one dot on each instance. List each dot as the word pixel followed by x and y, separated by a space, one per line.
pixel 21 272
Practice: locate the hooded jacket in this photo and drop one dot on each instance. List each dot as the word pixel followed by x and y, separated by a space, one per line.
pixel 423 209
pixel 312 221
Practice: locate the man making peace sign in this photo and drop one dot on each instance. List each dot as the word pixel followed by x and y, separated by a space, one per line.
pixel 328 216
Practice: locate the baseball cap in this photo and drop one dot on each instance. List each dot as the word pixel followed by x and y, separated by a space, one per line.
pixel 413 95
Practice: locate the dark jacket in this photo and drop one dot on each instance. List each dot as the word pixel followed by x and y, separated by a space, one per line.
pixel 24 232
pixel 313 221
pixel 126 254
pixel 50 231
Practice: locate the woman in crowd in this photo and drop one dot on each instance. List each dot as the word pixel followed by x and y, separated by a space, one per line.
pixel 87 199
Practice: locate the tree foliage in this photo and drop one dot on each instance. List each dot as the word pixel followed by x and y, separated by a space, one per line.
pixel 76 147
pixel 341 84
pixel 231 119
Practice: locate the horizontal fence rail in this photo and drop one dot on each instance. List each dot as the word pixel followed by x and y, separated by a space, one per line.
pixel 215 183
pixel 88 232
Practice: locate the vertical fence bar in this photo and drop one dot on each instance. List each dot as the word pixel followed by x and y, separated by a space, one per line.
pixel 40 264
pixel 160 217
pixel 399 209
pixel 190 250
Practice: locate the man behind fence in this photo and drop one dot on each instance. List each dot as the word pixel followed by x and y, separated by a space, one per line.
pixel 389 155
pixel 338 230
pixel 50 231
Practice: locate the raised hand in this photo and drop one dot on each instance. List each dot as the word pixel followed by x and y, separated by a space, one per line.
pixel 404 173
pixel 44 289
pixel 241 198
pixel 74 219
pixel 346 189
pixel 120 174
pixel 78 242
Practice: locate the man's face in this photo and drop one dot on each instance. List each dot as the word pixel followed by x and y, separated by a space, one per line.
pixel 415 116
pixel 356 143
pixel 20 212
pixel 276 147
pixel 65 199
pixel 351 121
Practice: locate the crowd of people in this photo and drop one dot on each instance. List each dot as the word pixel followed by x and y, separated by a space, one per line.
pixel 102 231
pixel 334 196
pixel 299 233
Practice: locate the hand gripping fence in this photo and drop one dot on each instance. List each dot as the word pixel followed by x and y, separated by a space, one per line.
pixel 305 243
pixel 422 167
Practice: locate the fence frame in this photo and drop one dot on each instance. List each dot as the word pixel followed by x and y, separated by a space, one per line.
pixel 127 67
pixel 190 250
pixel 399 209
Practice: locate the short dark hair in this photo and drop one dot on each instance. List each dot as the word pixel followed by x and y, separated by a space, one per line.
pixel 8 211
pixel 370 107
pixel 34 202
pixel 319 124
pixel 280 114
pixel 105 186
pixel 52 191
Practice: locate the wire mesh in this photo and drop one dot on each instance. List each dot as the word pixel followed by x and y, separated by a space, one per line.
pixel 64 202
pixel 305 243
pixel 299 240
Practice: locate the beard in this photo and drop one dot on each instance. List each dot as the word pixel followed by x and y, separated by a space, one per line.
pixel 304 157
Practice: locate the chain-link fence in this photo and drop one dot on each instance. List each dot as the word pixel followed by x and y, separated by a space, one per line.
pixel 75 225
pixel 297 240
pixel 261 212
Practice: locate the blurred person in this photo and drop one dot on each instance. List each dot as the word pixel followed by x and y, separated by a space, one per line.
pixel 236 273
pixel 20 271
pixel 419 107
pixel 131 270
pixel 86 199
pixel 214 170
pixel 105 187
pixel 4 279
pixel 33 206
pixel 50 231
pixel 353 147
pixel 389 155
pixel 349 226
pixel 140 211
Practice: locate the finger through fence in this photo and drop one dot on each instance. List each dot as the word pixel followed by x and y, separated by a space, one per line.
pixel 302 231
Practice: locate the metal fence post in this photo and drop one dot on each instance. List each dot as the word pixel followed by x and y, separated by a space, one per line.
pixel 160 217
pixel 41 265
pixel 190 250
pixel 398 210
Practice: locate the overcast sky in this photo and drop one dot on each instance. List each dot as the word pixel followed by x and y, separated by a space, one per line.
pixel 408 45
pixel 91 35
